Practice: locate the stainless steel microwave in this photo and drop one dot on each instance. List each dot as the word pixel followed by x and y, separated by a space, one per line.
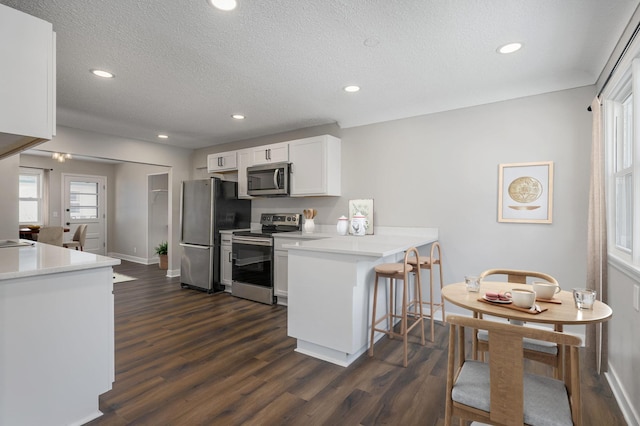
pixel 268 179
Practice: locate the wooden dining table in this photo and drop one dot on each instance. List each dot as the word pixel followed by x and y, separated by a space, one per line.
pixel 559 314
pixel 30 234
pixel 562 312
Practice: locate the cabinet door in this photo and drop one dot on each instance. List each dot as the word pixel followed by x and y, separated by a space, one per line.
pixel 225 264
pixel 315 166
pixel 223 161
pixel 244 161
pixel 27 49
pixel 274 153
pixel 280 273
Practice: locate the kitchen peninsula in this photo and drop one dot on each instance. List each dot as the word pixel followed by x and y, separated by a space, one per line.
pixel 330 289
pixel 56 333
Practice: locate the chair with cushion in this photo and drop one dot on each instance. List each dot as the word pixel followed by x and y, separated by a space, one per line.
pixel 78 239
pixel 500 392
pixel 547 353
pixel 51 235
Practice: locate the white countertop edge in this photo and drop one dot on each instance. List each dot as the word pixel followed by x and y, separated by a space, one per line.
pixel 387 242
pixel 39 254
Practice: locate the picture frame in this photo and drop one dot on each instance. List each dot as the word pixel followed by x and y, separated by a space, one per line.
pixel 525 192
pixel 364 206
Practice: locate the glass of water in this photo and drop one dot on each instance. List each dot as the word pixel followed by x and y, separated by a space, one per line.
pixel 473 283
pixel 584 298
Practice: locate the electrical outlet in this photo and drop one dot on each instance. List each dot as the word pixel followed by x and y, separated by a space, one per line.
pixel 636 297
pixel 55 214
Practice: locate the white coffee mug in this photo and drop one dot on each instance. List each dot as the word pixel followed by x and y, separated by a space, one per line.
pixel 545 290
pixel 522 298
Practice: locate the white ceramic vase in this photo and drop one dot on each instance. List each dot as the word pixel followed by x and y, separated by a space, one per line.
pixel 309 226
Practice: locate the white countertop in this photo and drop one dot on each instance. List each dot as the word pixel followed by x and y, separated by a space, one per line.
pixel 44 259
pixel 386 242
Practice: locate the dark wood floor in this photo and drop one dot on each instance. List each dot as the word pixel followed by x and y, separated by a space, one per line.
pixel 187 358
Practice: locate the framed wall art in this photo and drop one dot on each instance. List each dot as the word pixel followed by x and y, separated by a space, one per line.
pixel 526 192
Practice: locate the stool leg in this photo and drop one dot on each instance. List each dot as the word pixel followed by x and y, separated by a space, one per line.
pixel 433 332
pixel 392 306
pixel 373 315
pixel 405 295
pixel 421 313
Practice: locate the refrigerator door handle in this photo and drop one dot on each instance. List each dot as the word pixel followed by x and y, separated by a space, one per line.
pixel 195 246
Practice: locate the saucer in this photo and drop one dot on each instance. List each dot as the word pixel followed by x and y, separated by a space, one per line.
pixel 496 300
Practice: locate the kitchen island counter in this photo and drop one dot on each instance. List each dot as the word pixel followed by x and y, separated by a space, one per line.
pixel 56 334
pixel 330 289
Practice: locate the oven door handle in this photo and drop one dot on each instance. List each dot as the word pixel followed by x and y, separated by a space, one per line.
pixel 195 246
pixel 252 241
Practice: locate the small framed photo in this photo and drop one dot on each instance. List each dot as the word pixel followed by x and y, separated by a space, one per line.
pixel 525 193
pixel 366 208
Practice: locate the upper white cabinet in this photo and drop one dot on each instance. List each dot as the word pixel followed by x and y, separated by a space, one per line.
pixel 274 153
pixel 315 166
pixel 222 161
pixel 28 81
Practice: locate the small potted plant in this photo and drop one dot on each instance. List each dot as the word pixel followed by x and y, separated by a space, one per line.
pixel 162 250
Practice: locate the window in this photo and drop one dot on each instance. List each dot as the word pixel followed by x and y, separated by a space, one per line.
pixel 622 140
pixel 84 200
pixel 30 193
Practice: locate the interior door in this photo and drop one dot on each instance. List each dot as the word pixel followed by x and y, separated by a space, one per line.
pixel 84 201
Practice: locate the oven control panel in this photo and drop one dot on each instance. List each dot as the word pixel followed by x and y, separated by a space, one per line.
pixel 279 219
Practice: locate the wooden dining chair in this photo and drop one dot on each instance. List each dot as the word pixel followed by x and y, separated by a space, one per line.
pixel 78 239
pixel 545 352
pixel 500 392
pixel 51 235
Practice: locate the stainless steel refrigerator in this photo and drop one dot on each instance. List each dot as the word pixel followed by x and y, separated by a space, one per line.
pixel 207 206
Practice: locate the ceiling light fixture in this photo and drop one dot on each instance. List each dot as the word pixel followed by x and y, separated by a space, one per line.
pixel 61 157
pixel 162 136
pixel 238 116
pixel 351 89
pixel 509 48
pixel 223 4
pixel 102 73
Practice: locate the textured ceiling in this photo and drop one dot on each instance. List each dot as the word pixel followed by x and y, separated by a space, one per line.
pixel 183 67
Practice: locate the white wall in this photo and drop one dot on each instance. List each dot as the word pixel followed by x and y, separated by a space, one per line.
pixel 441 170
pixel 131 218
pixel 177 160
pixel 74 166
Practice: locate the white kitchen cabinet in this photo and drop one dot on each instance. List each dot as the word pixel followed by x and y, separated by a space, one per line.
pixel 28 83
pixel 281 266
pixel 225 260
pixel 244 161
pixel 222 161
pixel 315 166
pixel 274 153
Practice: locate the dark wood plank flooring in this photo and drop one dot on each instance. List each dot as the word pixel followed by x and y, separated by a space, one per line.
pixel 187 358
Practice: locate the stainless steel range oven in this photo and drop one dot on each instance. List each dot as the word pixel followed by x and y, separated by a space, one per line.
pixel 252 256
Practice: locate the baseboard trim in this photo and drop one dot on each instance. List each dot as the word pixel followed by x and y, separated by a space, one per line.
pixel 628 411
pixel 134 259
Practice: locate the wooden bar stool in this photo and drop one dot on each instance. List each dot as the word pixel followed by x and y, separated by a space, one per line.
pixel 410 308
pixel 429 263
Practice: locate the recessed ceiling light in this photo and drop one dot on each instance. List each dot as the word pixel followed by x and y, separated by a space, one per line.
pixel 161 136
pixel 238 116
pixel 509 48
pixel 102 73
pixel 351 89
pixel 223 4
